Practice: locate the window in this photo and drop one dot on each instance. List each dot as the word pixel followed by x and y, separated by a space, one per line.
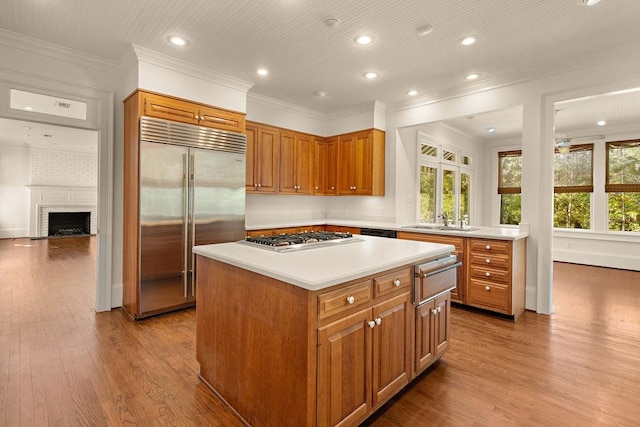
pixel 623 185
pixel 509 186
pixel 445 184
pixel 573 185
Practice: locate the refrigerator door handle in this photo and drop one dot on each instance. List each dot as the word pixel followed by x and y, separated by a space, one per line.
pixel 185 215
pixel 193 222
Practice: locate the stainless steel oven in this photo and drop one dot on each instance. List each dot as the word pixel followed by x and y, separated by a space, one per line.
pixel 434 277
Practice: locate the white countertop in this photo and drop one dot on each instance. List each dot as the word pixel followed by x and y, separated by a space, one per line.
pixel 319 268
pixel 501 233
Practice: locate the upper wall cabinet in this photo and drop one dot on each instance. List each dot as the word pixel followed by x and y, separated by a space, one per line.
pixel 296 163
pixel 262 159
pixel 178 110
pixel 361 163
pixel 325 169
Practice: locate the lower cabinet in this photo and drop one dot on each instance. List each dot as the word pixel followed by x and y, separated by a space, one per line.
pixel 363 359
pixel 432 331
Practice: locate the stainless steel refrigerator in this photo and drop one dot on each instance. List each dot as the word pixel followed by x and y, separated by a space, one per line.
pixel 192 192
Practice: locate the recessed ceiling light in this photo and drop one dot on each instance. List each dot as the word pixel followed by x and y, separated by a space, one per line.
pixel 26 127
pixel 424 30
pixel 178 41
pixel 331 22
pixel 370 75
pixel 588 2
pixel 601 122
pixel 472 76
pixel 467 41
pixel 364 40
pixel 320 93
pixel 412 92
pixel 262 71
pixel 491 129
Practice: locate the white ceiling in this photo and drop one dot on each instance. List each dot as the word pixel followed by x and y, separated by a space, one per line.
pixel 19 133
pixel 303 54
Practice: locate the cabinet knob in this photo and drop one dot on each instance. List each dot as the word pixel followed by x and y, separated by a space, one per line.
pixel 333 188
pixel 197 117
pixel 372 324
pixel 487 288
pixel 317 187
pixel 259 185
pixel 351 299
pixel 487 274
pixel 488 261
pixel 378 321
pixel 439 309
pixel 434 311
pixel 396 283
pixel 488 247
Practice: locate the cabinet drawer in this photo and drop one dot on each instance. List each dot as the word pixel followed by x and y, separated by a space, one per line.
pixel 343 299
pixel 391 282
pixel 481 272
pixel 492 246
pixel 221 119
pixel 490 260
pixel 489 295
pixel 170 109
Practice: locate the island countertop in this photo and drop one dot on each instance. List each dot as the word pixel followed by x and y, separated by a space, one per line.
pixel 321 267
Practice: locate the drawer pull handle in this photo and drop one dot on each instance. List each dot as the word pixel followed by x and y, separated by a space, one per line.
pixel 488 247
pixel 396 283
pixel 351 299
pixel 488 261
pixel 487 274
pixel 487 288
pixel 378 321
pixel 371 324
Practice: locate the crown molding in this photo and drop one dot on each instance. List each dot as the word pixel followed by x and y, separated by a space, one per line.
pixel 367 107
pixel 55 51
pixel 286 106
pixel 165 61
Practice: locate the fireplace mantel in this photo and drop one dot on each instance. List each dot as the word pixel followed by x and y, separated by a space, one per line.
pixel 45 199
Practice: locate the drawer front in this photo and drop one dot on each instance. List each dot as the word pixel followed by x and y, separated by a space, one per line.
pixel 221 119
pixel 481 272
pixel 428 287
pixel 458 242
pixel 490 246
pixel 170 109
pixel 391 282
pixel 490 260
pixel 344 299
pixel 489 295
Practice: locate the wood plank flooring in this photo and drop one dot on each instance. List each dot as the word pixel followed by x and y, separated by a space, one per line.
pixel 62 364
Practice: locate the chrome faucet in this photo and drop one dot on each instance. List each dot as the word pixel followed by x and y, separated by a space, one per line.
pixel 445 219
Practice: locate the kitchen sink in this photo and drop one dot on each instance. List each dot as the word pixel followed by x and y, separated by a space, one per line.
pixel 440 227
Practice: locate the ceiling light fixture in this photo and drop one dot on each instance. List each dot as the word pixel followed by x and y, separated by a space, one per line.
pixel 27 108
pixel 364 40
pixel 370 75
pixel 178 41
pixel 601 122
pixel 320 93
pixel 588 2
pixel 468 41
pixel 412 92
pixel 424 30
pixel 563 146
pixel 491 129
pixel 262 71
pixel 472 76
pixel 331 22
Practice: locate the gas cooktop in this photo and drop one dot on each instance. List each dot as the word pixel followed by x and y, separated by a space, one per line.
pixel 300 241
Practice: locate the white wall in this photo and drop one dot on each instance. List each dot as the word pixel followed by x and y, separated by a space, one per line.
pixel 63 168
pixel 14 193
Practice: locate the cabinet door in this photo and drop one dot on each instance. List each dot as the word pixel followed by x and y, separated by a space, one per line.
pixel 362 166
pixel 251 184
pixel 391 346
pixel 287 162
pixel 266 160
pixel 221 119
pixel 346 160
pixel 344 370
pixel 170 109
pixel 441 339
pixel 325 166
pixel 425 319
pixel 304 164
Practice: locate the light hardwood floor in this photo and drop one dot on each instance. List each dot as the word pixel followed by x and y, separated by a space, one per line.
pixel 62 364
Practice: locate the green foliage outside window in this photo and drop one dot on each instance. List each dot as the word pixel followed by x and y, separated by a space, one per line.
pixel 624 212
pixel 510 209
pixel 623 185
pixel 572 210
pixel 428 179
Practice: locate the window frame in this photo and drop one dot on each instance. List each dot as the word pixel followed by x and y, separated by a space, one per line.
pixel 619 188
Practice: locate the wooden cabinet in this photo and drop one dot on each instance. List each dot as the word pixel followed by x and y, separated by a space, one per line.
pixel 342 229
pixel 262 159
pixel 169 108
pixel 496 270
pixel 432 331
pixel 325 182
pixel 458 294
pixel 272 231
pixel 361 163
pixel 364 358
pixel 296 163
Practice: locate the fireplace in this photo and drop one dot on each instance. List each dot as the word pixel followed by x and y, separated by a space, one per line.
pixel 69 223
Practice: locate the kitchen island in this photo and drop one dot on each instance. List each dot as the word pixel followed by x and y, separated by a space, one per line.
pixel 317 337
